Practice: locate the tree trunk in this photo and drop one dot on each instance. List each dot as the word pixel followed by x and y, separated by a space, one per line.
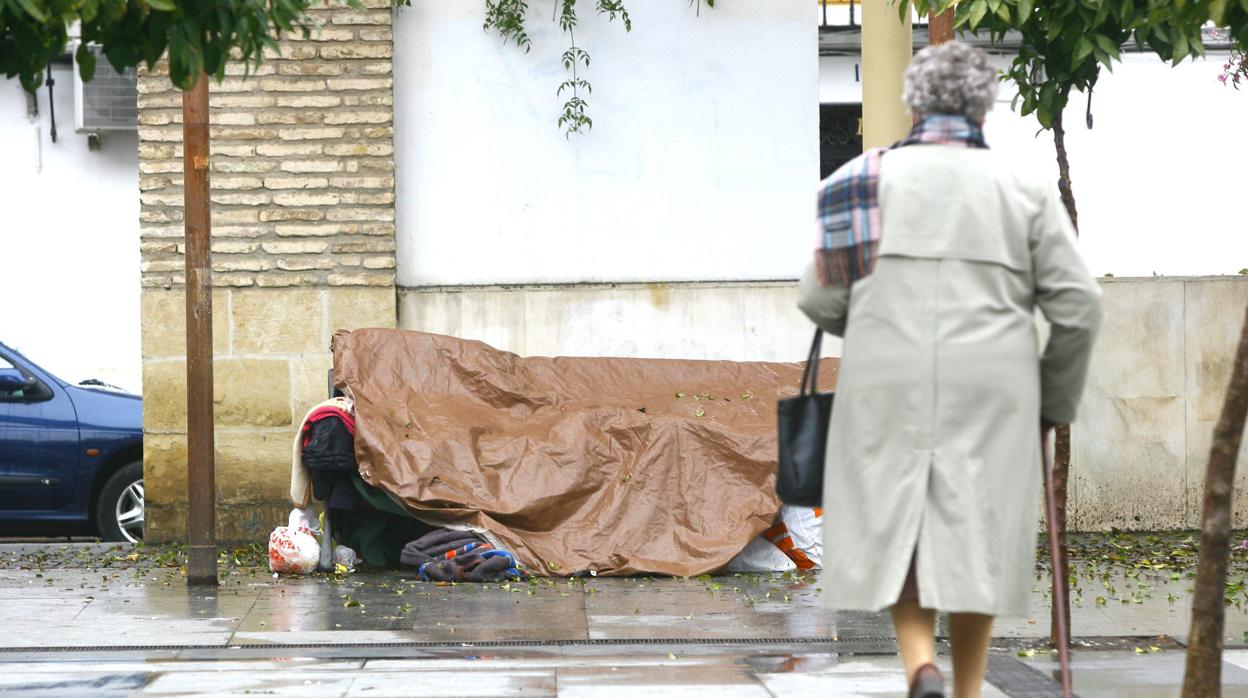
pixel 1063 170
pixel 1203 675
pixel 1061 445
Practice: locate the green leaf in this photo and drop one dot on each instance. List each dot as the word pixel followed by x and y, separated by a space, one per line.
pixel 1101 13
pixel 1024 9
pixel 1106 44
pixel 86 62
pixel 979 8
pixel 1126 11
pixel 1083 47
pixel 1180 46
pixel 33 10
pixel 1217 12
pixel 1055 28
pixel 89 10
pixel 1045 117
pixel 162 5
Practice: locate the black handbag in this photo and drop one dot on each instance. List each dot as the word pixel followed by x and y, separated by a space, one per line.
pixel 804 437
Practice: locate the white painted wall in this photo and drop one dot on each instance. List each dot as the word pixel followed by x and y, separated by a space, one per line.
pixel 840 79
pixel 1158 181
pixel 69 234
pixel 700 166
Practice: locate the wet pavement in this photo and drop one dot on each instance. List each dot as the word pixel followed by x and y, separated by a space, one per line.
pixel 83 624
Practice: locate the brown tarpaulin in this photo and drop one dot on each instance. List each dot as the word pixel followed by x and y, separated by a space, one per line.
pixel 619 466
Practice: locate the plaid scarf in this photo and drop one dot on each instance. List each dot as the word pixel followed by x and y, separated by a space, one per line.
pixel 849 201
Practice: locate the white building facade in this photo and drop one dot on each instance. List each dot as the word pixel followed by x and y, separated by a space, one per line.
pixel 69 291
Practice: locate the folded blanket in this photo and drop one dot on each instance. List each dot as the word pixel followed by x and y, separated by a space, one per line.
pixel 435 546
pixel 485 566
pixel 458 556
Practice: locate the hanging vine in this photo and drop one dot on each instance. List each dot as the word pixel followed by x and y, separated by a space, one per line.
pixel 507 19
pixel 574 119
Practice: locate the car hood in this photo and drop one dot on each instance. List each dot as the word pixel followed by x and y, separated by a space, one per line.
pixel 104 409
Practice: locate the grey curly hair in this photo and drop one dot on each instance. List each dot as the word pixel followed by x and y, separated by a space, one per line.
pixel 950 78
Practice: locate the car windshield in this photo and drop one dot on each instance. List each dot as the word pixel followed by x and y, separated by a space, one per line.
pixel 12 351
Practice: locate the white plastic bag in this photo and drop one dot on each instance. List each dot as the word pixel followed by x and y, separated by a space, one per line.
pixel 794 543
pixel 300 518
pixel 346 557
pixel 294 549
pixel 761 555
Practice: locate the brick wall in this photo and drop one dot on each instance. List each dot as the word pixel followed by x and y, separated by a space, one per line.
pixel 302 177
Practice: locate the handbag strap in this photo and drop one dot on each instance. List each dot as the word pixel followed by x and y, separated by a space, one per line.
pixel 810 376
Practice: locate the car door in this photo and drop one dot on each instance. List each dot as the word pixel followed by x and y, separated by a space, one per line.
pixel 38 443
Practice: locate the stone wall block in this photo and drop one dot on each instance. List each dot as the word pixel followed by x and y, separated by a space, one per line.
pixel 254 466
pixel 164 323
pixel 164 396
pixel 353 308
pixel 164 469
pixel 311 381
pixel 288 322
pixel 251 392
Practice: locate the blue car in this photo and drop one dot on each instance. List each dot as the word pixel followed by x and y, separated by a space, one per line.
pixel 71 456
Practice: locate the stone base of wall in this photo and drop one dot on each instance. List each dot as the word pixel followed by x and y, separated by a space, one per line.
pixel 736 321
pixel 271 358
pixel 1155 390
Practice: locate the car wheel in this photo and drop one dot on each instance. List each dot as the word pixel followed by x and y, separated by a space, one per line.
pixel 119 510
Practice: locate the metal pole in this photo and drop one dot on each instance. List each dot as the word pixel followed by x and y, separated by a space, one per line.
pixel 201 485
pixel 939 27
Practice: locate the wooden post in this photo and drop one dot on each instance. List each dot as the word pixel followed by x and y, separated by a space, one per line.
pixel 201 480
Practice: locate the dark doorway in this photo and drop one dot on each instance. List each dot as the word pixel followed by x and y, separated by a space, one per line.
pixel 840 135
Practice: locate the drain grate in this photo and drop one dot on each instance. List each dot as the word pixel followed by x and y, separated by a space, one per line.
pixel 608 642
pixel 1019 680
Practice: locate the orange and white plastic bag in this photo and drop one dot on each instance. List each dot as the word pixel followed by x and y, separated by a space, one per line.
pixel 794 543
pixel 799 535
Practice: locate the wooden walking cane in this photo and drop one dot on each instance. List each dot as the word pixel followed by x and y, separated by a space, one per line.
pixel 1059 570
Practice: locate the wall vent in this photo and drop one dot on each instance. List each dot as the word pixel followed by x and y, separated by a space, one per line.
pixel 110 101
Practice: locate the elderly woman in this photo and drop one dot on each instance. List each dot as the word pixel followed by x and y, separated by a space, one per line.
pixel 933 257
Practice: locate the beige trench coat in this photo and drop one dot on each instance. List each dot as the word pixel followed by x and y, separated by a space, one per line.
pixel 934 446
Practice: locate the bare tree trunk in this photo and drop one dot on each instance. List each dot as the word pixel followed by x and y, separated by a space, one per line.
pixel 1063 170
pixel 1203 675
pixel 1061 442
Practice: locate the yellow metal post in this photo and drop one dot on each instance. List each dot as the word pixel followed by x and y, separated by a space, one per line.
pixel 886 50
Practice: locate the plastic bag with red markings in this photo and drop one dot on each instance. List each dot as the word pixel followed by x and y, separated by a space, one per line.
pixel 294 549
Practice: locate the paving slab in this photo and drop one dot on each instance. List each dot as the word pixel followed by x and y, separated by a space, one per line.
pixel 1135 675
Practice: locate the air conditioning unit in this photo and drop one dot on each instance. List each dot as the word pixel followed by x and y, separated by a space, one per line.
pixel 109 102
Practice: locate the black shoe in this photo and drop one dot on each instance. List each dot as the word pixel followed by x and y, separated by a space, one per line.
pixel 928 683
